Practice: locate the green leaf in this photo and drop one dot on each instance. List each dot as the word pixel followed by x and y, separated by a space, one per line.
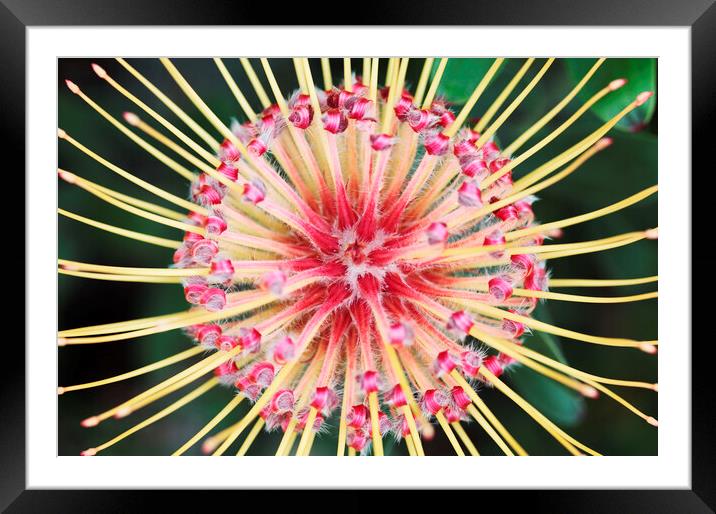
pixel 460 78
pixel 640 75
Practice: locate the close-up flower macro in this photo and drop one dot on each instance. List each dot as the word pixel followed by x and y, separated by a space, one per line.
pixel 357 256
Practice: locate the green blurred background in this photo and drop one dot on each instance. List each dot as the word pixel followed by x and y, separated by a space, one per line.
pixel 627 167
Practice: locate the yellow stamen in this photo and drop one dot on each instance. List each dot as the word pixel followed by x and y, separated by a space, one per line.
pixel 513 147
pixel 375 424
pixel 199 103
pixel 568 154
pixel 159 241
pixel 514 105
pixel 135 373
pixel 345 405
pixel 449 433
pixel 581 375
pixel 582 282
pixel 496 313
pixel 245 106
pixel 366 71
pixel 465 439
pixel 180 202
pixel 255 82
pixel 494 106
pixel 307 431
pixel 122 270
pixel 649 419
pixel 584 299
pixel 122 278
pixel 549 427
pixel 185 227
pixel 251 436
pixel 151 150
pixel 491 431
pixel 474 97
pixel 159 415
pixel 203 134
pixel 142 204
pixel 326 70
pixel 166 124
pixel 423 80
pixel 373 87
pixel 604 211
pixel 430 96
pixel 347 74
pixel 235 401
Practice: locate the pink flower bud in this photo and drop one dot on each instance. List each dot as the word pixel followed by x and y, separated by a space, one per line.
pixel 437 233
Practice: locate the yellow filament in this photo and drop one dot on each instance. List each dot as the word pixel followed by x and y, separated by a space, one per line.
pixel 255 82
pixel 240 98
pixel 347 75
pixel 327 77
pixel 492 110
pixel 394 93
pixel 300 75
pixel 496 313
pixel 161 414
pixel 142 204
pixel 514 105
pixel 345 405
pixel 180 202
pixel 568 442
pixel 474 97
pixel 121 278
pixel 75 265
pixel 449 433
pixel 583 282
pixel 199 103
pixel 465 439
pixel 565 156
pixel 280 101
pixel 581 375
pixel 203 134
pixel 185 227
pixel 423 80
pixel 286 443
pixel 499 431
pixel 622 401
pixel 166 124
pixel 250 437
pixel 135 373
pixel 430 96
pixel 623 204
pixel 375 424
pixel 373 87
pixel 579 250
pixel 235 401
pixel 584 299
pixel 151 150
pixel 158 241
pixel 513 147
pixel 306 434
pixel 468 216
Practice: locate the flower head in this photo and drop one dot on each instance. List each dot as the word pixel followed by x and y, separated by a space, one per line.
pixel 353 258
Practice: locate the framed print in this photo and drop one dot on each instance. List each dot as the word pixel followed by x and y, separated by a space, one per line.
pixel 443 246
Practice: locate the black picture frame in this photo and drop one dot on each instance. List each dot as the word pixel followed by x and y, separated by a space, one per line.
pixel 699 15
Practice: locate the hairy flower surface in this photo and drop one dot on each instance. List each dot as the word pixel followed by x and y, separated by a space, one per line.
pixel 354 259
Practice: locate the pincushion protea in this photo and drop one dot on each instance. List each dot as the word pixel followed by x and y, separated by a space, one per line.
pixel 338 248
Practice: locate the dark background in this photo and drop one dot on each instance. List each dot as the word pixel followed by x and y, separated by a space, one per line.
pixel 627 167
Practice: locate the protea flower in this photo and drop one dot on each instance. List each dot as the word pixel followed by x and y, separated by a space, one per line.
pixel 355 259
